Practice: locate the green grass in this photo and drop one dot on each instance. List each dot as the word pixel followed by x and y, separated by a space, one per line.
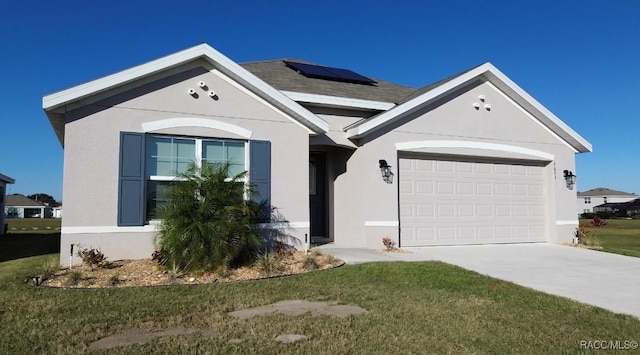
pixel 427 307
pixel 620 236
pixel 33 225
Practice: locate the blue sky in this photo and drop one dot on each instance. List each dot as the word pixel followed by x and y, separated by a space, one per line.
pixel 579 58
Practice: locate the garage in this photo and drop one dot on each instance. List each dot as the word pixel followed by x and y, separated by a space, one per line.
pixel 452 200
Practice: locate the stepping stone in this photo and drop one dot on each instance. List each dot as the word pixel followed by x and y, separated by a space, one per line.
pixel 299 307
pixel 142 336
pixel 290 338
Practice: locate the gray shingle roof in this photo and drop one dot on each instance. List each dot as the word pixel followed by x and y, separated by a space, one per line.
pixel 21 200
pixel 430 87
pixel 277 74
pixel 603 191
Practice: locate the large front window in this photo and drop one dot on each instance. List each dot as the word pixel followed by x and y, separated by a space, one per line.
pixel 168 157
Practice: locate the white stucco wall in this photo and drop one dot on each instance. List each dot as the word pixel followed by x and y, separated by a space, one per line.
pixel 92 145
pixel 455 119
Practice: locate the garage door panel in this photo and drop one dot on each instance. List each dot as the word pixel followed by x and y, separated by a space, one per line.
pixel 453 202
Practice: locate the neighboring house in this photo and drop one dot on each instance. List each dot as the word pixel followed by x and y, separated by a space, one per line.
pixel 56 212
pixel 472 159
pixel 20 206
pixel 620 209
pixel 601 195
pixel 4 180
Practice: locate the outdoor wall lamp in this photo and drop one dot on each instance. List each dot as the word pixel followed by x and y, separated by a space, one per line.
pixel 385 170
pixel 570 179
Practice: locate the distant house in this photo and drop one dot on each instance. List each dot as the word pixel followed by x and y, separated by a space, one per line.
pixel 20 206
pixel 599 196
pixel 4 180
pixel 57 212
pixel 622 209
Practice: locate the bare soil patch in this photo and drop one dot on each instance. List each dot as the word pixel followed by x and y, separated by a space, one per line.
pixel 130 273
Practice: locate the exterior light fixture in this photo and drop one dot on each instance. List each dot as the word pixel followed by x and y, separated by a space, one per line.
pixel 385 170
pixel 570 179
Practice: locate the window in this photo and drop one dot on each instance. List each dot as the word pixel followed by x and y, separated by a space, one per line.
pixel 587 200
pixel 169 156
pixel 149 163
pixel 586 210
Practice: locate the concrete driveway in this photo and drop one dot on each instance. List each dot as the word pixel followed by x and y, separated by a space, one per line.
pixel 601 279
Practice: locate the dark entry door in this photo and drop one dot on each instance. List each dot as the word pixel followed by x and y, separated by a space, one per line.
pixel 317 194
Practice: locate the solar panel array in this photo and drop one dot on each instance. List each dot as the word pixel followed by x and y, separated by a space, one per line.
pixel 337 74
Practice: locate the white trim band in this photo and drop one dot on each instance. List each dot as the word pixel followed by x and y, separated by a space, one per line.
pixel 474 145
pixel 381 223
pixel 109 229
pixel 285 225
pixel 196 122
pixel 153 227
pixel 567 223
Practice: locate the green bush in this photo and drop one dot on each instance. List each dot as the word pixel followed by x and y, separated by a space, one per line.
pixel 206 222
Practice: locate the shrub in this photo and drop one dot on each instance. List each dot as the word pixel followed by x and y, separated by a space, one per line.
pixel 92 257
pixel 310 263
pixel 268 263
pixel 282 250
pixel 49 268
pixel 115 279
pixel 388 243
pixel 598 222
pixel 206 222
pixel 74 278
pixel 586 238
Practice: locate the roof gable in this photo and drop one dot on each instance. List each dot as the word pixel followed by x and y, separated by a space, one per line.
pixel 603 191
pixel 53 103
pixel 22 201
pixel 484 72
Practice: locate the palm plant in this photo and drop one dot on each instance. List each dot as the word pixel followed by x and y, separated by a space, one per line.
pixel 206 222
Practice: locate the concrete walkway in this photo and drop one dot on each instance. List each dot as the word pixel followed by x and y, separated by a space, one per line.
pixel 601 279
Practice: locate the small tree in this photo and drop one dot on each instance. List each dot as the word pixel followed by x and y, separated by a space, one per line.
pixel 207 223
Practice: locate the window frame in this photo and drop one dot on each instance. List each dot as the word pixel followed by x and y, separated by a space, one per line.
pixel 198 159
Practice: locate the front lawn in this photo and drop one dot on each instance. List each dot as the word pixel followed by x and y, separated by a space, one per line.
pixel 620 236
pixel 33 225
pixel 426 307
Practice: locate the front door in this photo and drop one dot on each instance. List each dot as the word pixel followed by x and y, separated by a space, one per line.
pixel 317 194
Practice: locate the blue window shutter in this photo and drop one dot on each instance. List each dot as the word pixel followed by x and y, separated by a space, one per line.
pixel 260 174
pixel 131 181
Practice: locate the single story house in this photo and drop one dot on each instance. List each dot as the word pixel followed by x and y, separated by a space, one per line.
pixel 620 209
pixel 599 196
pixel 4 180
pixel 340 157
pixel 20 206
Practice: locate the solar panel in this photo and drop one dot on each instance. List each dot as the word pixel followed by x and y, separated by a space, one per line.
pixel 320 72
pixel 349 75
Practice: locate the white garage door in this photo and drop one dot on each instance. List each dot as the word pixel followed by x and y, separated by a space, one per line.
pixel 451 202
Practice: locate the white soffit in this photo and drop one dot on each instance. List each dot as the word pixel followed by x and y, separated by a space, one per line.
pixel 489 73
pixel 224 64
